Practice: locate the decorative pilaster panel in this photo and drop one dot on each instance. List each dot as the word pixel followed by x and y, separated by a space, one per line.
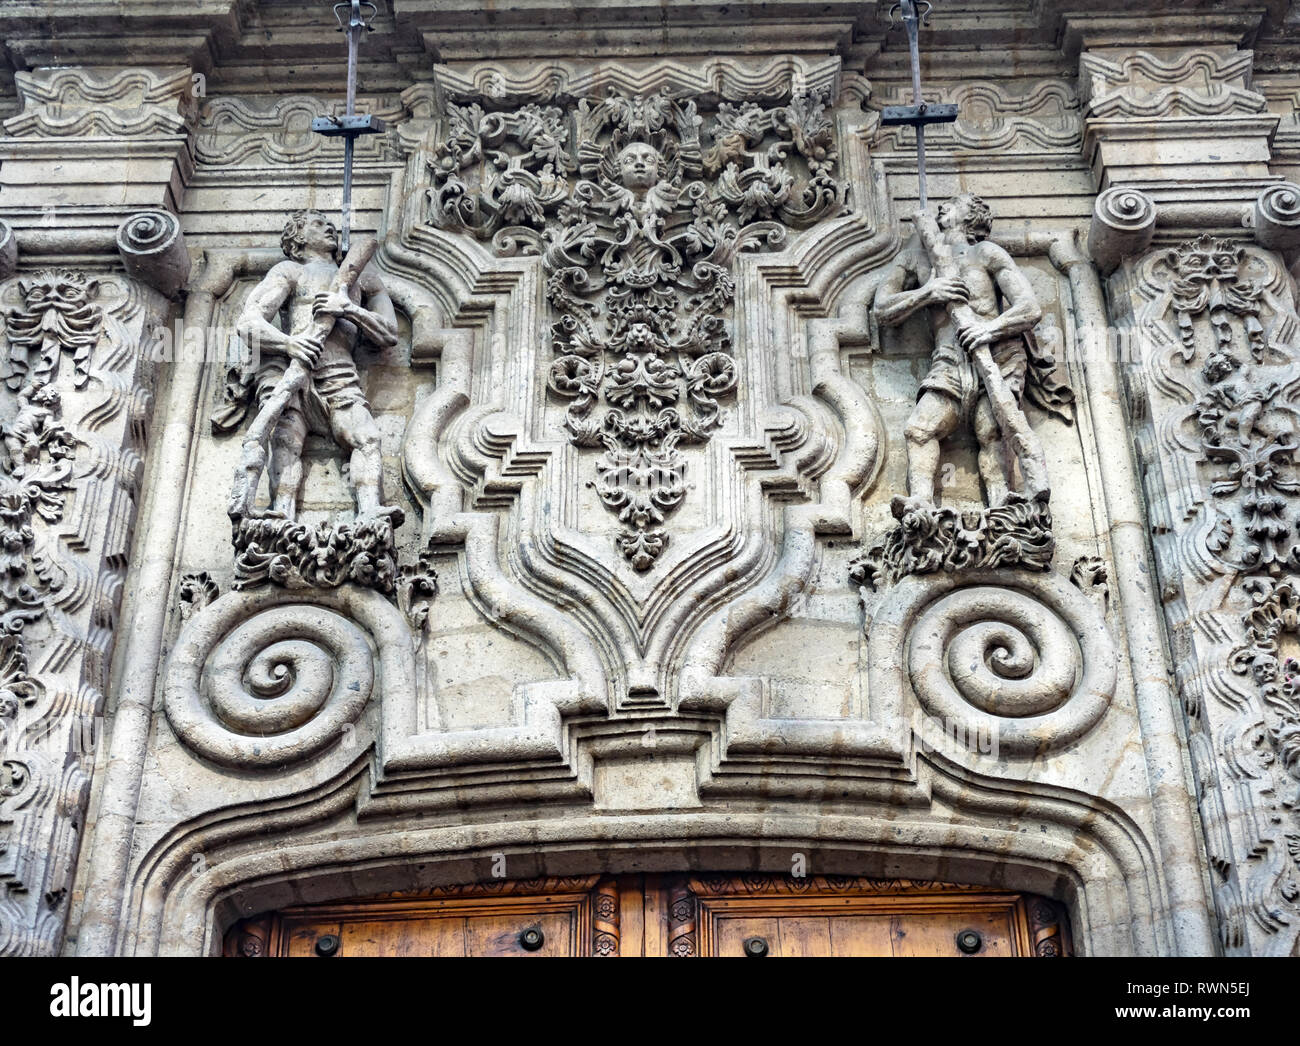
pixel 74 410
pixel 1215 397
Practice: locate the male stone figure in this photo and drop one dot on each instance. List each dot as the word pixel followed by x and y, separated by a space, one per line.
pixel 333 400
pixel 952 393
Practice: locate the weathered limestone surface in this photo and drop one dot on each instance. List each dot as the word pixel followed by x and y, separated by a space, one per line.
pixel 639 492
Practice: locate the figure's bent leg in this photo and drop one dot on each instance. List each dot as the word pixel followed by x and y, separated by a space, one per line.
pixel 933 418
pixel 286 467
pixel 996 463
pixel 355 428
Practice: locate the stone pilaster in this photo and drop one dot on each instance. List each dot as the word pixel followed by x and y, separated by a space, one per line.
pixel 1196 230
pixel 93 257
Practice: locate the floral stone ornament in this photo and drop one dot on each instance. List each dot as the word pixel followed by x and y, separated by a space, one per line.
pixel 639 228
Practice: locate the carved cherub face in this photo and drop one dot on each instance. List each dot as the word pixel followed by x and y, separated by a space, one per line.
pixel 638 166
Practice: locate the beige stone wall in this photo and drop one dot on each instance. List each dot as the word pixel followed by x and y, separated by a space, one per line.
pixel 1093 705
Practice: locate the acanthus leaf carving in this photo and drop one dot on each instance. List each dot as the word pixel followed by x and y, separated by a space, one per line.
pixel 1219 320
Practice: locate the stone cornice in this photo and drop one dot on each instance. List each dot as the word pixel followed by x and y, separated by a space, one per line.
pixel 105 32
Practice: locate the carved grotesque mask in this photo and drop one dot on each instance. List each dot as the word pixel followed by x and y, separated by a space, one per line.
pixel 64 290
pixel 1206 258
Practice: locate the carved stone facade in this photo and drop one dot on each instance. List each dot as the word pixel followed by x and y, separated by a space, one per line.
pixel 653 484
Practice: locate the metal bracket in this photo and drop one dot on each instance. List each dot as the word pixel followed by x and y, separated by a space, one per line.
pixel 348 126
pixel 914 115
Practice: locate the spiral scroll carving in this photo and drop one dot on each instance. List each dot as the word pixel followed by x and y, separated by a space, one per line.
pixel 152 248
pixel 275 687
pixel 1277 216
pixel 149 232
pixel 1123 223
pixel 1032 666
pixel 1126 209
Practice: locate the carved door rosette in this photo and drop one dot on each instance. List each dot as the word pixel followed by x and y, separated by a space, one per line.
pixel 1216 392
pixel 624 412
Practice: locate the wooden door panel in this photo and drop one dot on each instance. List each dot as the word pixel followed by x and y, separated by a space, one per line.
pixel 851 916
pixel 657 915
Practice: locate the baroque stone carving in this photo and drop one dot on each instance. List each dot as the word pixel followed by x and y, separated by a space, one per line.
pixel 71 428
pixel 277 130
pixel 196 591
pixel 727 79
pixel 1023 659
pixel 982 311
pixel 80 102
pixel 639 253
pixel 1276 615
pixel 1197 82
pixel 59 314
pixel 307 379
pixel 1223 371
pixel 260 682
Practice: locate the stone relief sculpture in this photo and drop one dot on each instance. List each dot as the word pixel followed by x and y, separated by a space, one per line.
pixel 984 366
pixel 639 255
pixel 306 379
pixel 58 315
pixel 70 469
pixel 1220 319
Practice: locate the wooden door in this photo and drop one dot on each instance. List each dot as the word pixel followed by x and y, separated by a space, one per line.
pixel 658 915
